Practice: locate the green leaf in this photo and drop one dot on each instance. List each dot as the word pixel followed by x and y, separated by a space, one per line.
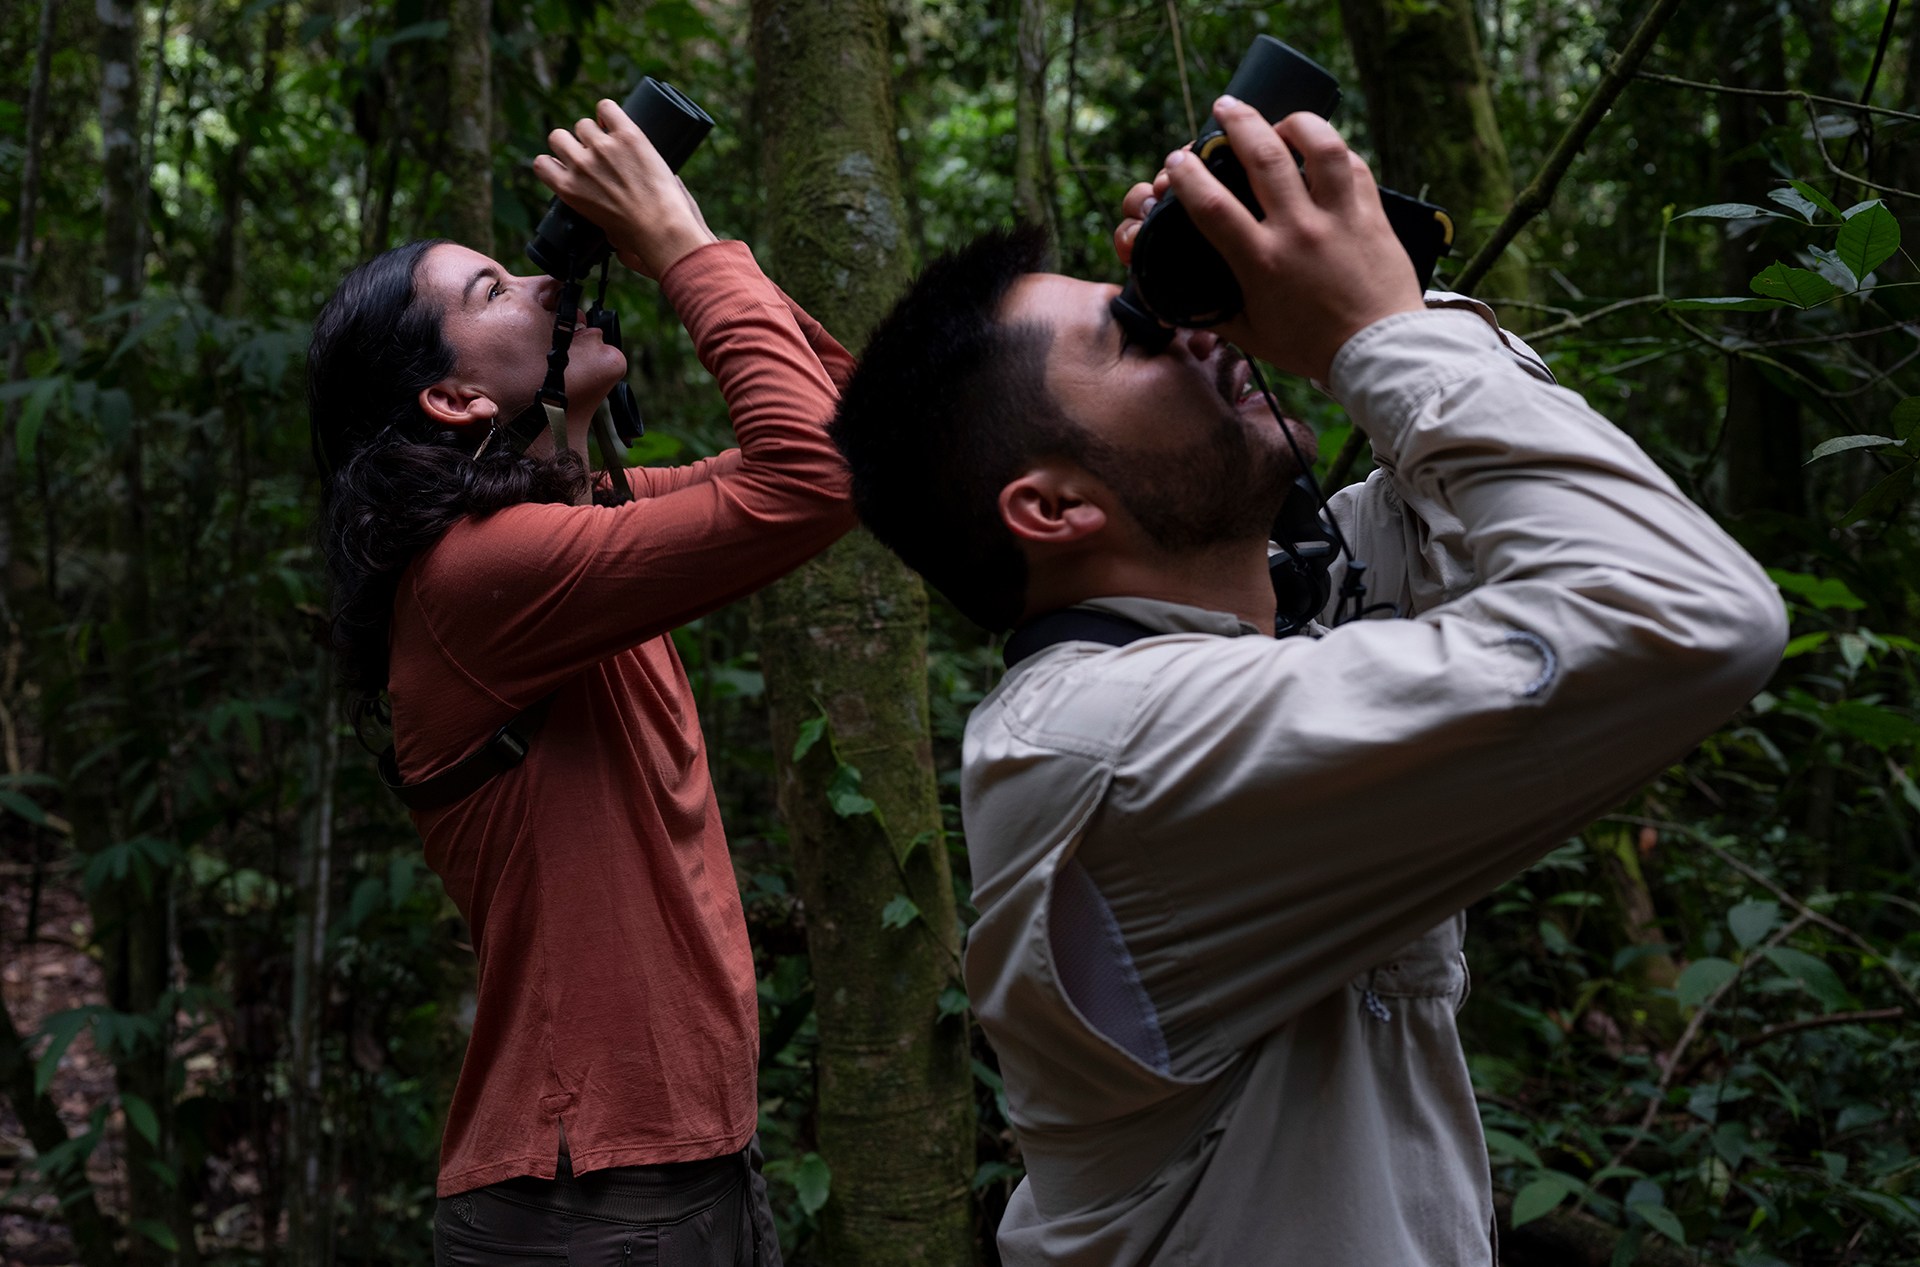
pixel 1868 239
pixel 843 793
pixel 1803 644
pixel 1725 303
pixel 141 1117
pixel 813 1181
pixel 1882 497
pixel 900 912
pixel 1820 592
pixel 1840 444
pixel 1540 1196
pixel 1870 723
pixel 1662 1220
pixel 1819 980
pixel 61 1028
pixel 810 732
pixel 1817 198
pixel 1752 921
pixel 1701 978
pixel 1793 200
pixel 1729 211
pixel 1501 1144
pixel 23 806
pixel 1906 418
pixel 1797 286
pixel 953 1002
pixel 157 1232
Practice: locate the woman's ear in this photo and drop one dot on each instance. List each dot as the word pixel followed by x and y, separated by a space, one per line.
pixel 1053 504
pixel 452 403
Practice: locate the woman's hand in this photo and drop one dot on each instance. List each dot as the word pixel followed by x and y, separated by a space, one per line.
pixel 610 173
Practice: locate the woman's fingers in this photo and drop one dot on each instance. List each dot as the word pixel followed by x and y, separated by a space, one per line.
pixel 565 148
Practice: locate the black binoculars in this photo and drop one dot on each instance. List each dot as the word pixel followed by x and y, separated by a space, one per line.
pixel 1177 278
pixel 566 244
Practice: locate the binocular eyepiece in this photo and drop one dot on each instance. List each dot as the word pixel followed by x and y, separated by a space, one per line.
pixel 566 244
pixel 1177 278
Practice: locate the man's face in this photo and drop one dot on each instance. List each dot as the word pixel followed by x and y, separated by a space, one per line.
pixel 1191 451
pixel 500 328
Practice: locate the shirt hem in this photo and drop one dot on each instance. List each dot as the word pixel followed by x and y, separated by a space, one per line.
pixel 542 1166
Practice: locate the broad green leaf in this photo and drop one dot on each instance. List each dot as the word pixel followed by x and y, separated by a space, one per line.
pixel 1821 592
pixel 1870 723
pixel 1798 286
pixel 1701 978
pixel 1830 266
pixel 810 732
pixel 1803 644
pixel 157 1232
pixel 1540 1196
pixel 1752 921
pixel 813 1181
pixel 1793 200
pixel 1501 1144
pixel 1820 980
pixel 1726 303
pixel 1868 239
pixel 1817 198
pixel 61 1028
pixel 1882 497
pixel 1729 211
pixel 843 793
pixel 900 912
pixel 953 1002
pixel 24 806
pixel 1906 418
pixel 141 1117
pixel 1661 1220
pixel 1840 444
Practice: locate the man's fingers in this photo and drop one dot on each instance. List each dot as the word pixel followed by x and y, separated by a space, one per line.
pixel 1271 169
pixel 565 148
pixel 551 172
pixel 1215 211
pixel 1325 155
pixel 1133 206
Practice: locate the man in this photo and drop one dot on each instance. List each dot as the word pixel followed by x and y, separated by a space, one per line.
pixel 1220 875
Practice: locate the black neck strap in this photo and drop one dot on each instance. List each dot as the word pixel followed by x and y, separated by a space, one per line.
pixel 1071 624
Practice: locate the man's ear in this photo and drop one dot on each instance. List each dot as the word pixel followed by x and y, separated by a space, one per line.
pixel 452 403
pixel 1055 503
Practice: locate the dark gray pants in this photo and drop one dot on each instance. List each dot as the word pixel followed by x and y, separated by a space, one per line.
pixel 685 1214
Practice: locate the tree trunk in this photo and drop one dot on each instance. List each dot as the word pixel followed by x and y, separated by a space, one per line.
pixel 224 263
pixel 845 636
pixel 470 122
pixel 1430 112
pixel 305 1161
pixel 1032 163
pixel 20 292
pixel 92 1234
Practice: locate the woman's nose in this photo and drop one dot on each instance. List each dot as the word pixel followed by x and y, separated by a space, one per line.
pixel 1201 343
pixel 547 292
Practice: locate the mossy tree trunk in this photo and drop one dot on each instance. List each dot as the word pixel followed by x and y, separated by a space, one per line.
pixel 470 122
pixel 1032 161
pixel 1430 112
pixel 844 638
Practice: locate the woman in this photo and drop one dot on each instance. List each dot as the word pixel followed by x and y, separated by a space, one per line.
pixel 607 1100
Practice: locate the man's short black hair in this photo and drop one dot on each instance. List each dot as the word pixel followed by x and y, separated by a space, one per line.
pixel 948 405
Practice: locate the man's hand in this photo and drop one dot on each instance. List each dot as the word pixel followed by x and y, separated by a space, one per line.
pixel 610 173
pixel 1322 266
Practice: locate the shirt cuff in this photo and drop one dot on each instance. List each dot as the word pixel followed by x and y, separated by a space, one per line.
pixel 1384 372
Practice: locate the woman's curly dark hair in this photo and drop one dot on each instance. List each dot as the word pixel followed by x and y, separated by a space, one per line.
pixel 392 481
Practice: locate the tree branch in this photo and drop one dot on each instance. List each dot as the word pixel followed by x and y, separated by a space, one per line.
pixel 1777 94
pixel 1540 190
pixel 1784 1028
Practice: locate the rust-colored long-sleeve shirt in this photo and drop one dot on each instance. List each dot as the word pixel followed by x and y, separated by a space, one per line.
pixel 616 991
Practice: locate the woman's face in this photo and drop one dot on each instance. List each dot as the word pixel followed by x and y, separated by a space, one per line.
pixel 500 328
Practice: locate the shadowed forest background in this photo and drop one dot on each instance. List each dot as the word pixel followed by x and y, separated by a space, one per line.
pixel 235 1000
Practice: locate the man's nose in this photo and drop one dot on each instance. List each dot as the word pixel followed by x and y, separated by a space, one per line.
pixel 1201 343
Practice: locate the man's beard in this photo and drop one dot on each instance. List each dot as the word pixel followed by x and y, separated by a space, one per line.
pixel 1226 488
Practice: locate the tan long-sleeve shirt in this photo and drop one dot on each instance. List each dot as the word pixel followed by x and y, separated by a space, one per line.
pixel 1219 876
